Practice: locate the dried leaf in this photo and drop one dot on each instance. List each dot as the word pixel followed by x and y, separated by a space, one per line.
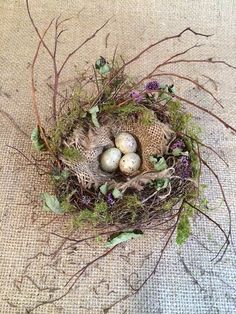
pixel 102 66
pixel 104 188
pixel 117 193
pixel 93 111
pixel 123 237
pixel 50 202
pixel 161 184
pixel 37 140
pixel 160 164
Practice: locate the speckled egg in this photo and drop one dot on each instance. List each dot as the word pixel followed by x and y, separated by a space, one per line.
pixel 130 163
pixel 110 159
pixel 126 143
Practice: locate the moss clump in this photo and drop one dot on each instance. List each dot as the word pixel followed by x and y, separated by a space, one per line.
pixel 67 121
pixel 71 154
pixel 178 119
pixel 99 215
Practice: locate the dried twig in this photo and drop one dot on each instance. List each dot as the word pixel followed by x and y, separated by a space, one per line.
pixel 200 86
pixel 13 122
pixel 207 111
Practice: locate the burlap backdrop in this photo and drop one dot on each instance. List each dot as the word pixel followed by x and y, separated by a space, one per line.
pixel 186 282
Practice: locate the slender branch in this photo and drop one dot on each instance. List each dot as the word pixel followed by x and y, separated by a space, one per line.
pixel 36 29
pixel 202 61
pixel 204 145
pixel 163 40
pixel 13 122
pixel 188 29
pixel 207 111
pixel 81 45
pixel 160 65
pixel 162 252
pixel 35 108
pixel 224 198
pixel 193 82
pixel 226 243
pixel 78 274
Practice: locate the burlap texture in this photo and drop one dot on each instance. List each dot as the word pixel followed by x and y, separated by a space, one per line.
pixel 186 282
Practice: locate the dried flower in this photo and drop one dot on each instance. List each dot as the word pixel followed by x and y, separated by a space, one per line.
pixel 135 94
pixel 177 144
pixel 85 200
pixel 110 199
pixel 152 86
pixel 183 167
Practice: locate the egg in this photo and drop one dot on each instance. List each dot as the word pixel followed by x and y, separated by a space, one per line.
pixel 110 159
pixel 126 143
pixel 130 163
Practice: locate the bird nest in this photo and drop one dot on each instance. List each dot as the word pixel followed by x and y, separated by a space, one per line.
pixel 166 145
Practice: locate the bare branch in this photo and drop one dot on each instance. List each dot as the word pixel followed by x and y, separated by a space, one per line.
pixel 13 122
pixel 193 82
pixel 81 45
pixel 207 111
pixel 36 29
pixel 202 61
pixel 204 145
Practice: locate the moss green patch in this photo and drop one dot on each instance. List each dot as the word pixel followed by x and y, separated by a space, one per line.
pixel 178 118
pixel 99 215
pixel 71 153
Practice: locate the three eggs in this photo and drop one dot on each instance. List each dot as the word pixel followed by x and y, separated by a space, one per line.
pixel 112 158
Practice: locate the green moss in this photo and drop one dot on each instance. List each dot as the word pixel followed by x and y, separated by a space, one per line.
pixel 183 230
pixel 71 153
pixel 131 203
pixel 67 121
pixel 99 215
pixel 178 118
pixel 146 116
pixel 67 206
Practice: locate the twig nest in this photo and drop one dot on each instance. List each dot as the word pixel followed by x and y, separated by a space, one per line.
pixel 126 143
pixel 130 163
pixel 110 159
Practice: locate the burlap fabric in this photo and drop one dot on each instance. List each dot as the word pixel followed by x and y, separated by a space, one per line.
pixel 31 270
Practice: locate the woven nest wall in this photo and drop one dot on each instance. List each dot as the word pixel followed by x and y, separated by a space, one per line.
pixel 28 272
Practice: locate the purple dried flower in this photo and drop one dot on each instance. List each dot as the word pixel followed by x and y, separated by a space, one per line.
pixel 85 200
pixel 152 86
pixel 183 167
pixel 135 94
pixel 110 199
pixel 177 144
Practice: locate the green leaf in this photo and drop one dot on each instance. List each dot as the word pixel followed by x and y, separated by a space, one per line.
pixel 116 193
pixel 50 202
pixel 93 111
pixel 104 188
pixel 37 140
pixel 161 184
pixel 160 164
pixel 102 66
pixel 177 152
pixel 61 176
pixel 183 230
pixel 120 237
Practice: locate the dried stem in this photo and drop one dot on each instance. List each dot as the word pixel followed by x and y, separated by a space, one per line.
pixel 201 61
pixel 204 145
pixel 162 251
pixel 193 82
pixel 207 111
pixel 77 276
pixel 224 198
pixel 226 243
pixel 13 122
